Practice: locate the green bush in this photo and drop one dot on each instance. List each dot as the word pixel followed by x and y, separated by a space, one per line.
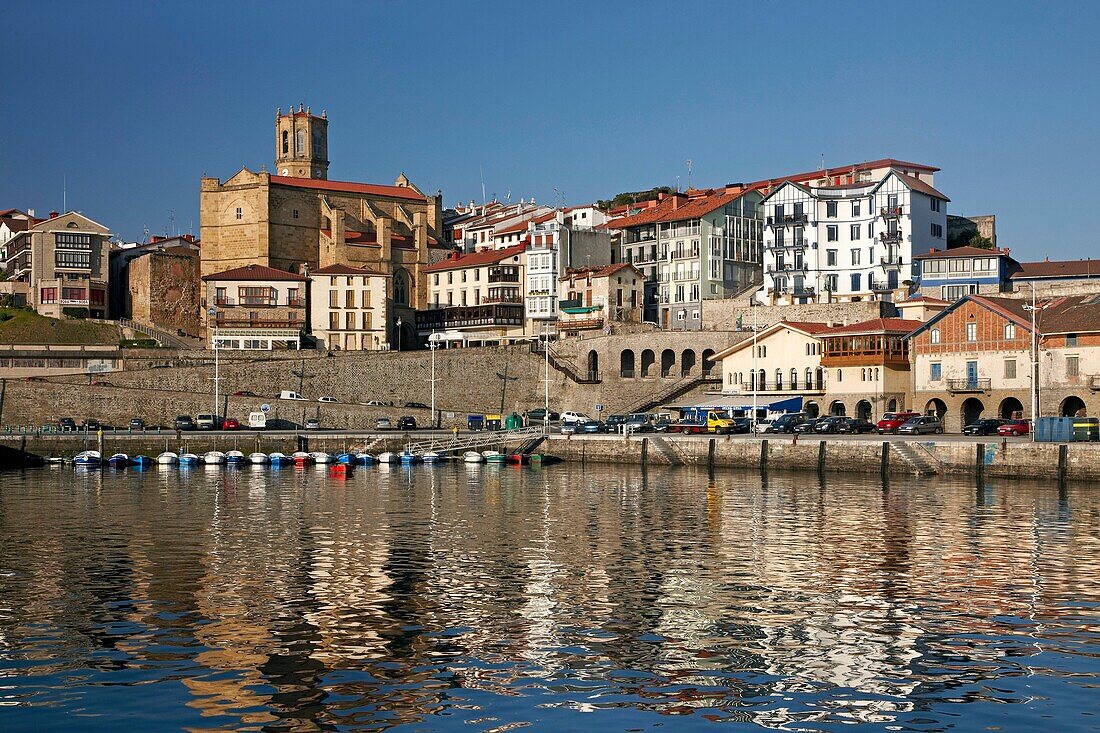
pixel 138 344
pixel 75 312
pixel 5 316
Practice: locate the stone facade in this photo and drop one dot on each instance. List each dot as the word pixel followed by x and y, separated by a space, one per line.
pixel 163 291
pixel 723 315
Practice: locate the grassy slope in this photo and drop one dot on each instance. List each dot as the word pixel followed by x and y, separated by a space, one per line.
pixel 27 327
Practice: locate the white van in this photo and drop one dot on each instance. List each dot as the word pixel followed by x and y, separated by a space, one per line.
pixel 287 394
pixel 257 420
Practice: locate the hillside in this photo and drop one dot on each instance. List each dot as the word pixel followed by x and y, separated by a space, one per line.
pixel 19 326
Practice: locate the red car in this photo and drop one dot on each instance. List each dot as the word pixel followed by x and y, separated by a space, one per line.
pixel 891 421
pixel 231 423
pixel 1015 427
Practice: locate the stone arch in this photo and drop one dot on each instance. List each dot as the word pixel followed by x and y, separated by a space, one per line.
pixel 403 335
pixel 863 410
pixel 626 364
pixel 936 407
pixel 668 361
pixel 837 408
pixel 1071 406
pixel 402 286
pixel 708 361
pixel 812 409
pixel 892 406
pixel 1010 408
pixel 648 358
pixel 687 362
pixel 593 364
pixel 972 409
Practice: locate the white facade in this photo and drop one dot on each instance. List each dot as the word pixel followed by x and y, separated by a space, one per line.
pixel 849 242
pixel 541 291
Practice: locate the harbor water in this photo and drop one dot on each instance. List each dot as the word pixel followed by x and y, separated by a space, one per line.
pixel 567 597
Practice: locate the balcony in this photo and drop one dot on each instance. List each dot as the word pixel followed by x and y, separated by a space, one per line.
pixel 787 220
pixel 892 262
pixel 890 237
pixel 580 324
pixel 975 384
pixel 797 244
pixel 472 316
pixel 503 277
pixel 502 298
pixel 256 323
pixel 890 212
pixel 801 387
pixel 1094 382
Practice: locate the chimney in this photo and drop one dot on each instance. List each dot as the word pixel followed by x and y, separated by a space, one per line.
pixel 54 214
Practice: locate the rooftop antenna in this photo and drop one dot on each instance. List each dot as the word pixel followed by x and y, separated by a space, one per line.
pixel 171 222
pixel 677 184
pixel 146 232
pixel 481 168
pixel 823 161
pixel 689 173
pixel 64 192
pixel 508 197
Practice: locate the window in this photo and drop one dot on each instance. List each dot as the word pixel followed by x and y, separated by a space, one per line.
pixel 832 283
pixel 1010 331
pixel 831 233
pixel 935 204
pixel 934 335
pixel 349 298
pixel 292 297
pixel 830 258
pixel 255 296
pixel 856 278
pixel 839 375
pixel 935 372
pixel 49 295
pixel 855 208
pixel 854 232
pixel 972 332
pixel 294 214
pixel 364 299
pixel 1073 366
pixel 300 142
pixel 349 321
pixel 240 213
pixel 77 294
pixel 954 292
pixel 334 299
pixel 855 258
pixel 78 260
pixel 937 231
pixel 334 321
pixel 286 142
pixel 1071 339
pixel 436 279
pixel 830 209
pixel 1010 368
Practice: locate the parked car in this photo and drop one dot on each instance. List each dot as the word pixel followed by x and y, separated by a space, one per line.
pixel 892 421
pixel 786 423
pixel 207 421
pixel 417 406
pixel 231 423
pixel 136 423
pixel 66 425
pixel 808 425
pixel 762 426
pixel 569 428
pixel 984 426
pixel 244 393
pixel 615 422
pixel 287 394
pixel 662 424
pixel 741 425
pixel 327 399
pixel 313 424
pixel 184 422
pixel 854 425
pixel 827 424
pixel 257 420
pixel 538 414
pixel 1015 427
pixel 593 426
pixel 406 422
pixel 571 416
pixel 920 425
pixel 383 423
pixel 638 422
pixel 375 403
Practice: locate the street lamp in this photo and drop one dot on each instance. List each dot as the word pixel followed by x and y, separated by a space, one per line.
pixel 213 312
pixel 399 334
pixel 433 343
pixel 1034 387
pixel 755 375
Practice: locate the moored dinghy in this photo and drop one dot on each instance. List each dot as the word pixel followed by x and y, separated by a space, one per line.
pixel 118 460
pixel 301 458
pixel 168 458
pixel 388 457
pixel 430 457
pixel 88 459
pixel 472 456
pixel 363 458
pixel 279 459
pixel 492 456
pixel 348 458
pixel 234 457
pixel 142 461
pixel 407 458
pixel 321 457
pixel 258 459
pixel 213 458
pixel 189 459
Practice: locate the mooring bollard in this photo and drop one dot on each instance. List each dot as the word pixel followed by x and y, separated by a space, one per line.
pixel 821 457
pixel 764 455
pixel 645 451
pixel 885 468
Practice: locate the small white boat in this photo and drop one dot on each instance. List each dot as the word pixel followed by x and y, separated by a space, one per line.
pixel 234 457
pixel 258 459
pixel 118 460
pixel 301 458
pixel 472 456
pixel 189 459
pixel 363 458
pixel 388 457
pixel 320 457
pixel 168 458
pixel 279 459
pixel 213 458
pixel 88 458
pixel 430 457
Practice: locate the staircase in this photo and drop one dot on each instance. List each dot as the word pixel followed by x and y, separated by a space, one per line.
pixel 668 449
pixel 564 364
pixel 916 457
pixel 675 389
pixel 162 337
pixel 520 437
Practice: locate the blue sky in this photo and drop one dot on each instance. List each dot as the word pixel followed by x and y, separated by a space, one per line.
pixel 131 102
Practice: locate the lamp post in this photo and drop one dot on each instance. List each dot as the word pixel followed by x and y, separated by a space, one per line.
pixel 399 334
pixel 432 344
pixel 755 376
pixel 546 377
pixel 213 311
pixel 1034 388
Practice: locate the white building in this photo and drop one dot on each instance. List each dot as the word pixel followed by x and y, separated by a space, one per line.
pixel 850 237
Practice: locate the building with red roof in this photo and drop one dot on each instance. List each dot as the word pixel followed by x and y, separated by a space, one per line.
pixel 475 297
pixel 255 308
pixel 349 309
pixel 595 297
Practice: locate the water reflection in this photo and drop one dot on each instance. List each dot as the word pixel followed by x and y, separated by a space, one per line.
pixel 483 598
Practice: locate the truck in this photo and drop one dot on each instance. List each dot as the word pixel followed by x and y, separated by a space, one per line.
pixel 257 420
pixel 719 422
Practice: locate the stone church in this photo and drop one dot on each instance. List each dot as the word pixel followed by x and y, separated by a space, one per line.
pixel 296 218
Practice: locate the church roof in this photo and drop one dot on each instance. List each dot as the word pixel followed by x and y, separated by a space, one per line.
pixel 397 192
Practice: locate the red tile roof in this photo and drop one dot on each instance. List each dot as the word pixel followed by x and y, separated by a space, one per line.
pixel 256 272
pixel 811 327
pixel 457 261
pixel 961 252
pixel 844 170
pixel 366 238
pixel 598 271
pixel 346 270
pixel 1058 268
pixel 397 192
pixel 675 207
pixel 918 185
pixel 924 299
pixel 877 325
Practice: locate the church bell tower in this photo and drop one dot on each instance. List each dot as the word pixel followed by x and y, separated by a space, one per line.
pixel 301 143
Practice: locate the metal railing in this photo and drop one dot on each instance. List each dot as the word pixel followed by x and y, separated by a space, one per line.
pixel 975 384
pixel 487 438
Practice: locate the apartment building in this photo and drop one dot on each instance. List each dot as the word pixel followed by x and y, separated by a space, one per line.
pixel 835 237
pixel 475 297
pixel 255 308
pixel 62 265
pixel 867 367
pixel 953 273
pixel 974 358
pixel 693 246
pixel 348 308
pixel 596 297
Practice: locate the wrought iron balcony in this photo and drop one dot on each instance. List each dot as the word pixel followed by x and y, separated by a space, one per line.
pixel 1094 382
pixel 887 212
pixel 890 237
pixel 787 220
pixel 975 384
pixel 891 261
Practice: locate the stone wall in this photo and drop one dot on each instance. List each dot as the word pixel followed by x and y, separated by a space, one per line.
pixel 164 291
pixel 721 315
